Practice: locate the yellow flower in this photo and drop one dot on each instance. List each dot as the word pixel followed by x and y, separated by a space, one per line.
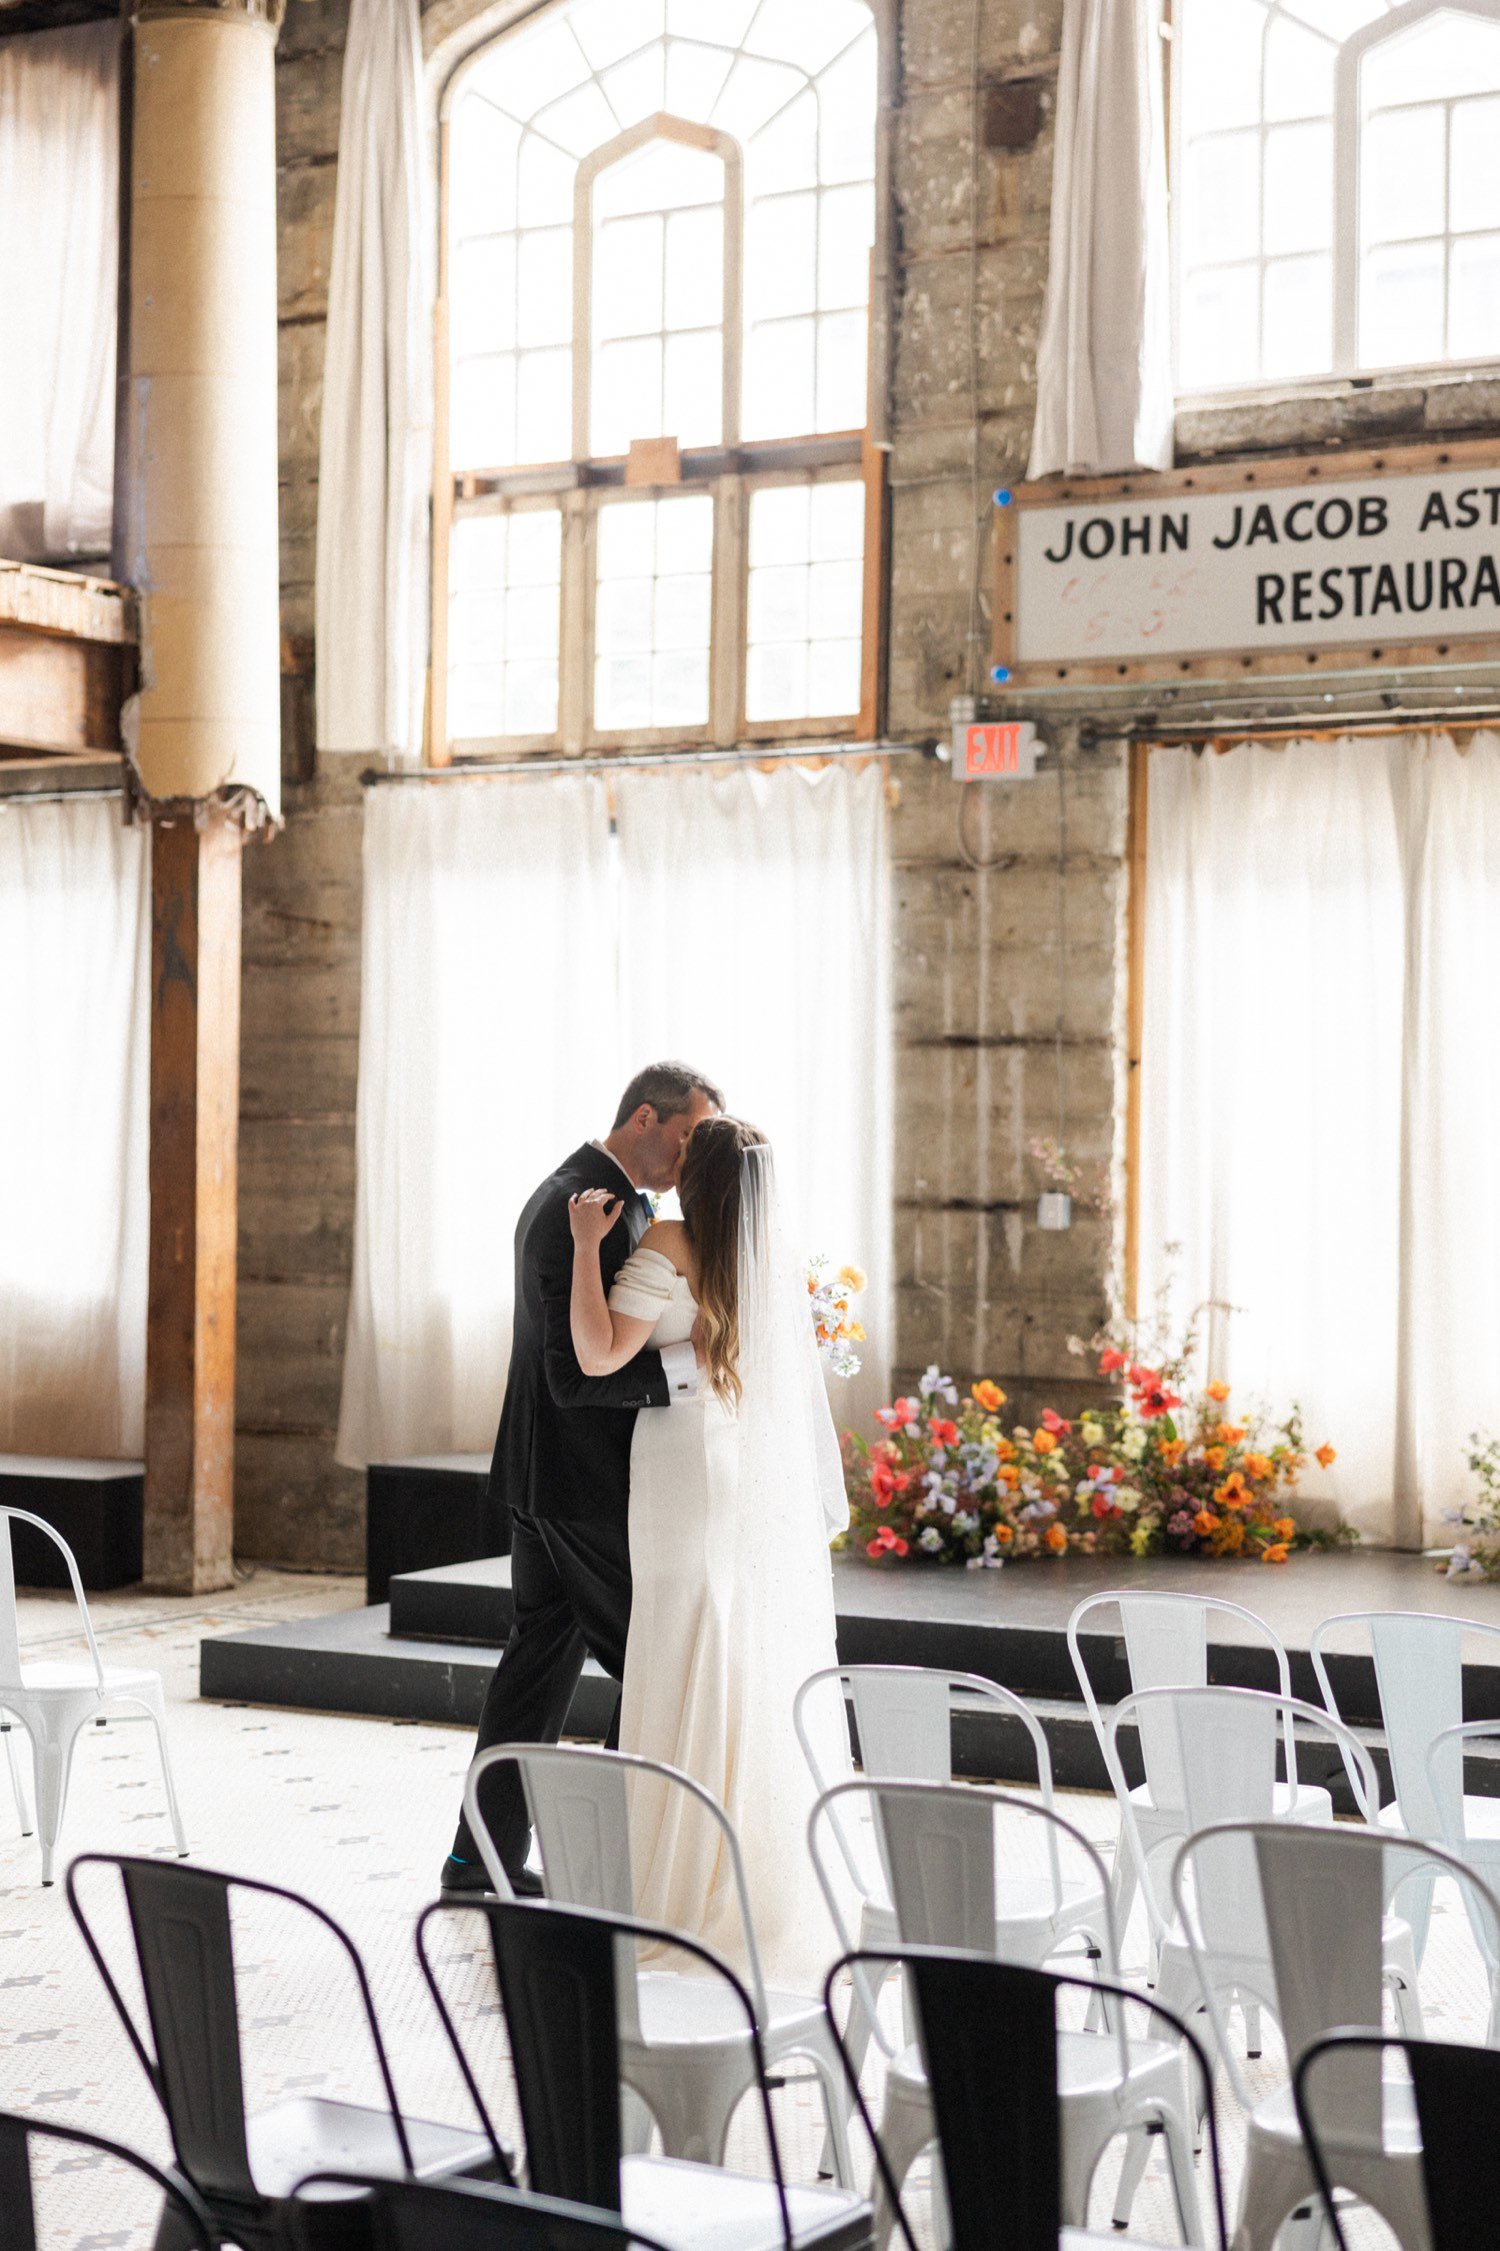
pixel 852 1277
pixel 989 1396
pixel 1056 1538
pixel 857 1331
pixel 1219 1392
pixel 1214 1456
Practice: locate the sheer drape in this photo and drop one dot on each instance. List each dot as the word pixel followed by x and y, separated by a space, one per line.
pixel 1104 363
pixel 59 254
pixel 375 447
pixel 1321 1051
pixel 488 1049
pixel 75 935
pixel 519 963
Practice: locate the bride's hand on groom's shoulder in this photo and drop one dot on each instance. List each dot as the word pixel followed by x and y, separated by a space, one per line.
pixel 592 1214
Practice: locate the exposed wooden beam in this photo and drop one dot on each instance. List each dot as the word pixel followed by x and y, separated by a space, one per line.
pixel 190 1322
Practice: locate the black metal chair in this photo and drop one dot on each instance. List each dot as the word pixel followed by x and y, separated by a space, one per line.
pixel 243 2167
pixel 1425 2153
pixel 988 2036
pixel 192 2226
pixel 447 2216
pixel 563 1990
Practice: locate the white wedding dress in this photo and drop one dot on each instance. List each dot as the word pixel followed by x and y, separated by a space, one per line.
pixel 732 1610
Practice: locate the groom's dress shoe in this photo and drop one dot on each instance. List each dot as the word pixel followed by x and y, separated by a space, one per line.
pixel 469 1879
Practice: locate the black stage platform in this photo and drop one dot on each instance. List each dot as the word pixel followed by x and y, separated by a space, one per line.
pixel 98 1508
pixel 427 1655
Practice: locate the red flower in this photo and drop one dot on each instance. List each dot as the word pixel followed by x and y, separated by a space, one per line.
pixel 886 1482
pixel 1102 1507
pixel 1053 1422
pixel 943 1433
pixel 886 1542
pixel 1156 1400
pixel 1109 1360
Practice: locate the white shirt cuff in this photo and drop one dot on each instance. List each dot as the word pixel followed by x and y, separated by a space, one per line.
pixel 679 1364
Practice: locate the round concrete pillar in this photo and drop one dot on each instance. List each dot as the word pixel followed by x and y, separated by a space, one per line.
pixel 201 475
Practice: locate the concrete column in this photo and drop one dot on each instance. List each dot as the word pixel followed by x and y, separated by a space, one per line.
pixel 200 547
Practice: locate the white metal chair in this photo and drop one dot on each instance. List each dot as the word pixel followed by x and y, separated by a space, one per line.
pixel 1301 1912
pixel 1166 1646
pixel 941 1849
pixel 1212 1755
pixel 1418 1657
pixel 683 2044
pixel 55 1700
pixel 904 1717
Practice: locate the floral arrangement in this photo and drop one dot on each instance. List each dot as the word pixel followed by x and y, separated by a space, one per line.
pixel 1150 1474
pixel 831 1297
pixel 1476 1551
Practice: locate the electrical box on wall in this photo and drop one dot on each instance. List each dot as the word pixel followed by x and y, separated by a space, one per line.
pixel 992 750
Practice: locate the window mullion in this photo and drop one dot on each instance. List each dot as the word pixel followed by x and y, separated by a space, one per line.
pixel 727 656
pixel 576 641
pixel 1346 215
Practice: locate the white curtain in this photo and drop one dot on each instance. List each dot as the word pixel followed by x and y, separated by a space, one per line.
pixel 1320 1070
pixel 1104 363
pixel 75 936
pixel 520 961
pixel 59 254
pixel 375 448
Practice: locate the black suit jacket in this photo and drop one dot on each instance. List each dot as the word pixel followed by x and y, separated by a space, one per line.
pixel 563 1447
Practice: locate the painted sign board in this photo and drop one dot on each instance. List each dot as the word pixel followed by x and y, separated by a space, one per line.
pixel 1277 566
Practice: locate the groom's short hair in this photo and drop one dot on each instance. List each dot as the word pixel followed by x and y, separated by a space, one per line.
pixel 669 1088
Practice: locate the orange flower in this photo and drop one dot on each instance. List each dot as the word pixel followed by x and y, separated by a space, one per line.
pixel 1260 1467
pixel 1284 1527
pixel 1173 1450
pixel 1004 1451
pixel 989 1395
pixel 1232 1493
pixel 1044 1442
pixel 1008 1476
pixel 1232 1534
pixel 1231 1433
pixel 1214 1456
pixel 1275 1553
pixel 1325 1457
pixel 1218 1391
pixel 1056 1538
pixel 1003 1535
pixel 1205 1522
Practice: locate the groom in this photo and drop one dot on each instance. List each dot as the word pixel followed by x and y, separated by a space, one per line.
pixel 562 1456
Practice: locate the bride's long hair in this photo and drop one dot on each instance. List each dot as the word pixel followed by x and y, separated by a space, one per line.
pixel 709 1193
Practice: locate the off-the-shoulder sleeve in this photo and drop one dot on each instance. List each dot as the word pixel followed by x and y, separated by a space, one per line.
pixel 643 1287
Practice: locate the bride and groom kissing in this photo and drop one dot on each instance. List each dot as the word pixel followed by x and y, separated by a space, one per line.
pixel 669 1462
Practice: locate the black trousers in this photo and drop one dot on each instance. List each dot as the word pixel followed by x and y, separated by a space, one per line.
pixel 571 1583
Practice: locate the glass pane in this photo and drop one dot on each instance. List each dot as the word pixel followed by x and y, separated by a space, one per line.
pixel 484 296
pixel 1474 164
pixel 695 77
pixel 1401 305
pixel 843 371
pixel 846 234
pixel 846 108
pixel 693 389
pixel 781 252
pixel 1297 297
pixel 1221 48
pixel 660 176
pixel 785 154
pixel 793 32
pixel 753 92
pixel 483 176
pixel 544 190
pixel 1298 188
pixel 1401 168
pixel 544 286
pixel 533 66
pixel 1220 323
pixel 778 397
pixel 637 88
pixel 544 406
pixel 483 428
pixel 652 613
pixel 1221 198
pixel 505 574
pixel 805 599
pixel 1336 19
pixel 694 295
pixel 627 394
pixel 580 122
pixel 1449 53
pixel 1299 71
pixel 1474 298
pixel 628 278
pixel 722 21
pixel 608 29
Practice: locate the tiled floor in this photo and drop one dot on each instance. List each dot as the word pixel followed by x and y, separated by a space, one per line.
pixel 356 1813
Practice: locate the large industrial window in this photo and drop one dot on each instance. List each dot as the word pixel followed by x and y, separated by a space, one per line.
pixel 1336 187
pixel 657 513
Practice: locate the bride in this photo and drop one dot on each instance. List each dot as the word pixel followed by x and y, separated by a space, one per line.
pixel 734 1497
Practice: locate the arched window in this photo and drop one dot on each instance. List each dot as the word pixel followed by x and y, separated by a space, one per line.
pixel 1336 187
pixel 654 491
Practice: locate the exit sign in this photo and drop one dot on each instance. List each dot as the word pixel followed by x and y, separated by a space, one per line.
pixel 994 750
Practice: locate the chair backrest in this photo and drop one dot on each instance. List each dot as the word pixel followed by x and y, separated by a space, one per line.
pixel 1457 2095
pixel 184 1945
pixel 582 1802
pixel 10 1631
pixel 1419 1678
pixel 1210 1757
pixel 453 2216
pixel 988 2026
pixel 1166 1640
pixel 1294 1915
pixel 564 1974
pixel 17 2204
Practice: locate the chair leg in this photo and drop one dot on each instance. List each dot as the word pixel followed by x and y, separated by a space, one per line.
pixel 858 2031
pixel 174 1810
pixel 17 1787
pixel 174 2232
pixel 836 2105
pixel 1132 2172
pixel 53 1756
pixel 1250 2011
